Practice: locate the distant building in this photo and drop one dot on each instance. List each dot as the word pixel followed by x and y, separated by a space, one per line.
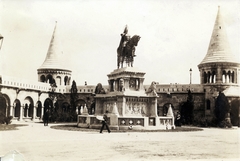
pixel 219 71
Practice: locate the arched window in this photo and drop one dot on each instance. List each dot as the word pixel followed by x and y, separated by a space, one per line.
pixel 66 80
pixel 42 78
pixel 50 79
pixel 229 77
pixel 58 80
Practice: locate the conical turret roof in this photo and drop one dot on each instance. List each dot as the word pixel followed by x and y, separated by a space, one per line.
pixel 53 59
pixel 219 49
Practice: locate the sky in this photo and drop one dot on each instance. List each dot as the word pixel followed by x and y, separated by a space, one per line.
pixel 175 35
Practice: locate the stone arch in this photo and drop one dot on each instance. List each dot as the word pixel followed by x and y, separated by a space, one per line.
pixel 17 108
pixel 4 104
pixel 42 78
pixel 28 107
pixel 49 79
pixel 58 80
pixel 66 80
pixel 213 80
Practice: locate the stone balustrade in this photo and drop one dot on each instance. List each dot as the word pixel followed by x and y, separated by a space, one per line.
pixel 29 84
pixel 125 123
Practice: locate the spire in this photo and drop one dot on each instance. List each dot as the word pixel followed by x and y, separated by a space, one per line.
pixel 219 50
pixel 52 60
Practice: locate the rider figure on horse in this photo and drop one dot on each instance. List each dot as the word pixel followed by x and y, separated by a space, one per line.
pixel 125 38
pixel 126 48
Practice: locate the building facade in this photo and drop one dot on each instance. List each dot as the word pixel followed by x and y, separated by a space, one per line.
pixel 219 72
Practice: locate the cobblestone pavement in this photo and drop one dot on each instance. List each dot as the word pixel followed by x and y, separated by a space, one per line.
pixel 42 143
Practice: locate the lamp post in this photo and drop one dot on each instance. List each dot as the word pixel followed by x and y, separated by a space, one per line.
pixel 1 41
pixel 190 71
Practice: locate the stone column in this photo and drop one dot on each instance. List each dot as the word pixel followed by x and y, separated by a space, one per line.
pixel 153 109
pixel 21 112
pixel 126 83
pixel 141 83
pixel 137 84
pixel 42 112
pixel 218 75
pixel 236 77
pixel 116 85
pixel 11 111
pixel 201 77
pixel 14 106
pixel 27 111
pixel 34 112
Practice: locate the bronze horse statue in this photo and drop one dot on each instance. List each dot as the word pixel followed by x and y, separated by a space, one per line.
pixel 127 53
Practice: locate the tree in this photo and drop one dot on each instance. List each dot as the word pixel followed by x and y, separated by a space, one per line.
pixel 187 109
pixel 222 108
pixel 73 96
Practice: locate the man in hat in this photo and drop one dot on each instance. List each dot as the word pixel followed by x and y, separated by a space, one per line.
pixel 104 123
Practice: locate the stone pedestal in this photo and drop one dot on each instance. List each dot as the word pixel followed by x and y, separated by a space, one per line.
pixel 128 104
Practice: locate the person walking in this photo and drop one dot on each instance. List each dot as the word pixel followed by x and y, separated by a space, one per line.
pixel 46 117
pixel 105 123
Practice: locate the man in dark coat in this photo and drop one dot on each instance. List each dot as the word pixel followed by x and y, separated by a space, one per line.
pixel 178 120
pixel 46 117
pixel 104 123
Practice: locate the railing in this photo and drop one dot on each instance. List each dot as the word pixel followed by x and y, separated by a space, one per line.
pixel 29 84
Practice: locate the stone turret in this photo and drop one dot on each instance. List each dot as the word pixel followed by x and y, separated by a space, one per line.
pixel 219 70
pixel 52 69
pixel 219 66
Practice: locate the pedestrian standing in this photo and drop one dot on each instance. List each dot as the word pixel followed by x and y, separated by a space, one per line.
pixel 178 119
pixel 105 123
pixel 46 117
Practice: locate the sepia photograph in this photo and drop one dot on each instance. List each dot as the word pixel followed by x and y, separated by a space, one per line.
pixel 121 80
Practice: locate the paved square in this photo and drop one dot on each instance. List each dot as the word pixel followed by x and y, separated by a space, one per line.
pixel 42 143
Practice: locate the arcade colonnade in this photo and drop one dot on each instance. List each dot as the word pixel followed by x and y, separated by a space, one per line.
pixel 218 75
pixel 23 104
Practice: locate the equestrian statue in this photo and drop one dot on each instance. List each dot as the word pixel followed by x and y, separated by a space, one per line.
pixel 126 49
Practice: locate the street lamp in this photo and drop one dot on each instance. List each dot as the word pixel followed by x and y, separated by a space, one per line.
pixel 1 41
pixel 190 71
